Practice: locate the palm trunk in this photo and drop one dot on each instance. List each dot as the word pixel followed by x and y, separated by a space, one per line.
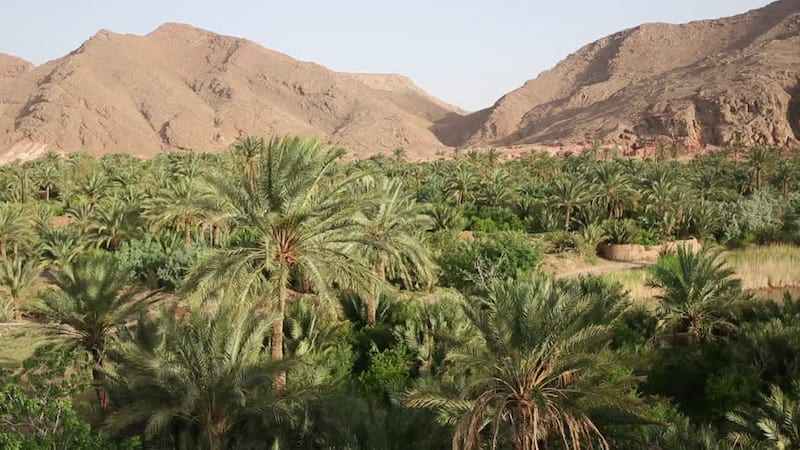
pixel 758 179
pixel 187 231
pixel 216 432
pixel 98 377
pixel 372 302
pixel 568 218
pixel 3 248
pixel 277 332
pixel 47 193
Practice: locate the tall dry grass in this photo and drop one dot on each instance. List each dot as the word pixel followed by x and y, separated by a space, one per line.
pixel 774 266
pixel 636 283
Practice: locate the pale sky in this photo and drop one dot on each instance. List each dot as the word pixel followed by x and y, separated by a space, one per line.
pixel 467 52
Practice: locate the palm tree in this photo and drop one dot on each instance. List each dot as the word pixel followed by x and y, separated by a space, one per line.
pixel 665 203
pixel 93 187
pixel 614 190
pixel 247 150
pixel 20 174
pixel 433 329
pixel 568 194
pixel 61 245
pixel 16 228
pixel 707 183
pixel 182 204
pixel 300 221
pixel 758 158
pixel 446 217
pixel 700 295
pixel 20 278
pixel 533 371
pixel 497 189
pixel 773 425
pixel 47 178
pixel 114 222
pixel 391 239
pixel 91 301
pixel 785 176
pixel 461 184
pixel 207 373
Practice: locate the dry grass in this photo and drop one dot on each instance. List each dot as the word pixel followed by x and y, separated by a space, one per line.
pixel 775 266
pixel 759 268
pixel 16 349
pixel 635 282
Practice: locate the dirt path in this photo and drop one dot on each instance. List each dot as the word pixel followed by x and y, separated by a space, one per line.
pixel 603 267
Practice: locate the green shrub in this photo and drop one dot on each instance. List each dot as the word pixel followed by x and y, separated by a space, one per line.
pixel 498 255
pixel 561 242
pixel 623 231
pixel 494 219
pixel 163 262
pixel 36 407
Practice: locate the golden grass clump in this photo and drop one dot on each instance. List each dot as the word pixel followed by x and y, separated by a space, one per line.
pixel 774 266
pixel 635 282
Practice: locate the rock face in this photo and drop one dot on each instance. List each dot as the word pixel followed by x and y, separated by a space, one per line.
pixel 183 88
pixel 707 82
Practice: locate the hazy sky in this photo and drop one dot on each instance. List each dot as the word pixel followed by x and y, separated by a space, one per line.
pixel 468 52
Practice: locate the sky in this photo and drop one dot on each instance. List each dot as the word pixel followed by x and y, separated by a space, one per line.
pixel 466 52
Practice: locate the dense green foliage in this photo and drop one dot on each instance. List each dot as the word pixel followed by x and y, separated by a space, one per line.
pixel 275 297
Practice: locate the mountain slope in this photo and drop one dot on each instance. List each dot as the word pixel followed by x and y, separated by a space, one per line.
pixel 11 66
pixel 707 82
pixel 182 88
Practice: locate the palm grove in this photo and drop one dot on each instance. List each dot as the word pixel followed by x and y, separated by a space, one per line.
pixel 275 297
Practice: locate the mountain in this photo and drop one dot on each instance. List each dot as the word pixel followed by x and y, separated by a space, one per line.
pixel 710 82
pixel 183 88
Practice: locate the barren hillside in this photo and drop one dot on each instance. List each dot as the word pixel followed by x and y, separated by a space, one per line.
pixel 714 82
pixel 182 88
pixel 11 66
pixel 707 82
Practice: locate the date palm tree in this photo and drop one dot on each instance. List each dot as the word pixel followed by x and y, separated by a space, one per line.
pixel 497 189
pixel 461 184
pixel 568 194
pixel 19 277
pixel 16 228
pixel 93 187
pixel 247 150
pixel 613 189
pixel 391 240
pixel 299 220
pixel 775 424
pixel 183 203
pixel 208 373
pixel 113 223
pixel 758 158
pixel 785 176
pixel 61 246
pixel 90 302
pixel 700 295
pixel 47 177
pixel 532 376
